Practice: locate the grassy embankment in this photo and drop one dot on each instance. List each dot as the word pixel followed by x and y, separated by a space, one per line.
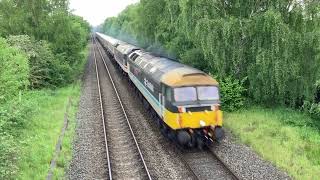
pixel 282 136
pixel 44 127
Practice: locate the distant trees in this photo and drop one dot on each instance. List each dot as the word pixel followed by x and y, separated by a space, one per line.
pixel 273 45
pixel 52 38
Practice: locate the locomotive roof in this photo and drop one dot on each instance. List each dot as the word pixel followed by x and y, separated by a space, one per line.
pixel 187 76
pixel 173 73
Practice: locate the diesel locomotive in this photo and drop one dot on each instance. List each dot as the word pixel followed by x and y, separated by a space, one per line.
pixel 184 101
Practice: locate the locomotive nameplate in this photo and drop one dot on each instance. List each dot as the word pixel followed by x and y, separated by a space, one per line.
pixel 148 84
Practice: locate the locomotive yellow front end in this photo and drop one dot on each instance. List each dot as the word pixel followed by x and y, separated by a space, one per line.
pixel 192 107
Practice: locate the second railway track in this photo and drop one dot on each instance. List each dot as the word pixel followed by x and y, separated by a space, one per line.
pixel 125 159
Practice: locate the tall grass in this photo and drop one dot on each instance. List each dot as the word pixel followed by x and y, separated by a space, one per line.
pixel 40 135
pixel 287 138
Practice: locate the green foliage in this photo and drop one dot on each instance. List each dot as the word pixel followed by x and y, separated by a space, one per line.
pixel 232 94
pixel 8 148
pixel 313 109
pixel 56 38
pixel 47 52
pixel 189 57
pixel 13 118
pixel 38 138
pixel 280 135
pixel 14 71
pixel 41 60
pixel 274 44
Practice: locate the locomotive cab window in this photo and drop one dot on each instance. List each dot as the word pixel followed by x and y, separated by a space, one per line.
pixel 207 93
pixel 200 93
pixel 185 94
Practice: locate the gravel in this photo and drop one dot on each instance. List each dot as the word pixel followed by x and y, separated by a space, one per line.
pixel 244 162
pixel 89 155
pixel 206 166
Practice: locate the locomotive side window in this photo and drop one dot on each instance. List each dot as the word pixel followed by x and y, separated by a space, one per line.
pixel 168 94
pixel 131 56
pixel 134 57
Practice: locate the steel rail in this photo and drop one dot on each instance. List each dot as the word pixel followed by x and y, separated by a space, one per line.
pixel 125 114
pixel 187 165
pixel 234 175
pixel 102 111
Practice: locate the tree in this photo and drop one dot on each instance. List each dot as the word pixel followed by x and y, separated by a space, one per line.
pixel 274 44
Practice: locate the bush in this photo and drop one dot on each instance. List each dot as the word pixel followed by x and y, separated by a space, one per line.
pixel 41 59
pixel 8 154
pixel 312 108
pixel 13 117
pixel 232 94
pixel 14 71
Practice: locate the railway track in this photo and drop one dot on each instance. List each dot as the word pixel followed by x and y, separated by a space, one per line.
pixel 125 159
pixel 206 165
pixel 201 164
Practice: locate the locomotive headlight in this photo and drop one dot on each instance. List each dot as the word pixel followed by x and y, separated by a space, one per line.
pixel 181 109
pixel 202 123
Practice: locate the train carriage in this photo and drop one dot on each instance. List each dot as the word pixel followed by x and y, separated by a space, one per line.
pixel 185 100
pixel 121 55
pixel 108 42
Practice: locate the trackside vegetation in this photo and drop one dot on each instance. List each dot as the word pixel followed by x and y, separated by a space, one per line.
pixel 283 136
pixel 40 134
pixel 41 54
pixel 266 56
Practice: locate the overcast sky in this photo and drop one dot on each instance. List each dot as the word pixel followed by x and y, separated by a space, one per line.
pixel 96 11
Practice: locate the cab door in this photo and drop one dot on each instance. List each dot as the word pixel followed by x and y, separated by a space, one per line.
pixel 162 99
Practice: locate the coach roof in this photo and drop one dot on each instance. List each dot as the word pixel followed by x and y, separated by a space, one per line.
pixel 110 39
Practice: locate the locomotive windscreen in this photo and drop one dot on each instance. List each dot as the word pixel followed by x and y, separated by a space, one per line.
pixel 185 94
pixel 208 93
pixel 200 93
